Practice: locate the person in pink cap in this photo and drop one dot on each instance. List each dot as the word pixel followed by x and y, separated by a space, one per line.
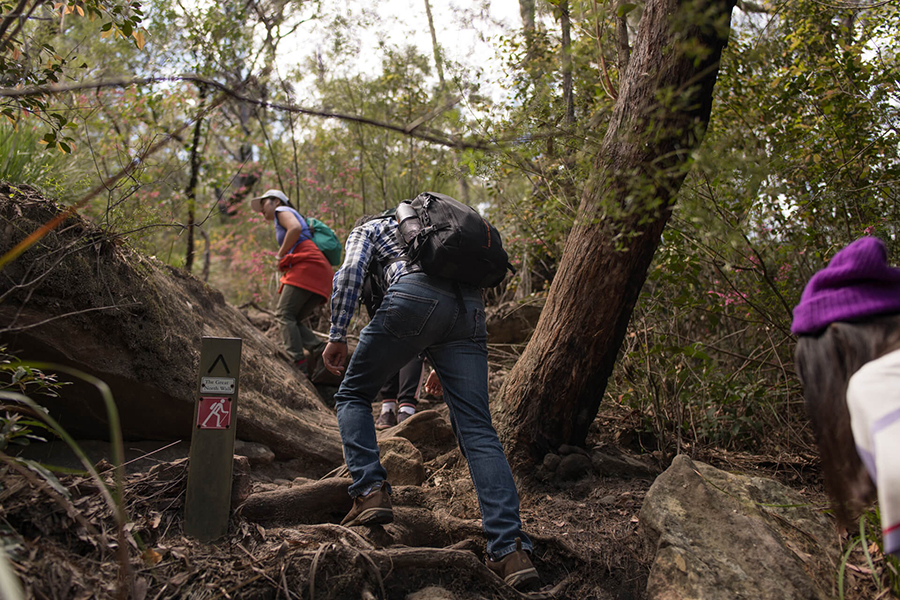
pixel 848 359
pixel 306 275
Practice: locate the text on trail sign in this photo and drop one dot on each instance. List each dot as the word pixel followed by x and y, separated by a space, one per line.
pixel 217 385
pixel 214 413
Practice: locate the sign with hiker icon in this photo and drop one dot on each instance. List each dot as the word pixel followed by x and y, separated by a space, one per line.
pixel 214 413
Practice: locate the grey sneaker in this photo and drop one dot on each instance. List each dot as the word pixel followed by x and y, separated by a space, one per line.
pixel 386 420
pixel 516 569
pixel 402 416
pixel 374 509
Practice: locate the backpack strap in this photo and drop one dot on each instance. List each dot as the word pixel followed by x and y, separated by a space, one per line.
pixel 373 288
pixel 305 229
pixel 305 232
pixel 384 265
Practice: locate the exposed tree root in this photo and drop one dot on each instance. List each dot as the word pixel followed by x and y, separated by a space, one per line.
pixel 376 566
pixel 318 502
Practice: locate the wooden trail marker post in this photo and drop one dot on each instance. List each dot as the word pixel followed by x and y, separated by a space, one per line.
pixel 207 504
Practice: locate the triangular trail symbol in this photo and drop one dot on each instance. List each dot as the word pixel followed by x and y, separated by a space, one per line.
pixel 224 364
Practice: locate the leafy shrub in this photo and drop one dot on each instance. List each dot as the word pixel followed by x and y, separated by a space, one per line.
pixel 24 161
pixel 17 426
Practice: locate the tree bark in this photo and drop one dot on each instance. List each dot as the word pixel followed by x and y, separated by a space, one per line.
pixel 622 48
pixel 553 393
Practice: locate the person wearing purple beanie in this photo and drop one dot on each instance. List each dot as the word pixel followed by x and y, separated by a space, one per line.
pixel 848 359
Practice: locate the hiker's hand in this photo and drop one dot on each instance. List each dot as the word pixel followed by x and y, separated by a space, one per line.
pixel 433 385
pixel 334 356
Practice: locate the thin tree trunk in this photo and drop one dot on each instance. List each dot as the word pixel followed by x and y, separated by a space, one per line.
pixel 191 191
pixel 204 274
pixel 524 289
pixel 295 152
pixel 526 11
pixel 566 51
pixel 439 64
pixel 362 180
pixel 553 393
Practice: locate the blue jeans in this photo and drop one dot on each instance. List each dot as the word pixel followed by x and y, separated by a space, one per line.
pixel 422 314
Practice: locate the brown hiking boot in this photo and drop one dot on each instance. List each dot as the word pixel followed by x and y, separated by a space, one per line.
pixel 516 569
pixel 386 420
pixel 374 509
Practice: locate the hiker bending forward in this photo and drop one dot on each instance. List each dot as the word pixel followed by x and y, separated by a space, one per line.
pixel 305 274
pixel 848 358
pixel 445 321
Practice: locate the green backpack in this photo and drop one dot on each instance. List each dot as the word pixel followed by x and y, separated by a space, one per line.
pixel 326 240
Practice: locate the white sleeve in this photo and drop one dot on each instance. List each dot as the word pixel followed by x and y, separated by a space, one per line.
pixel 873 399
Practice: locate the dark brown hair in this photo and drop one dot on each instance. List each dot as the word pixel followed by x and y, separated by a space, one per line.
pixel 825 363
pixel 364 219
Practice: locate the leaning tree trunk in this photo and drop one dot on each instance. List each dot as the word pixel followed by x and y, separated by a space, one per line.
pixel 553 393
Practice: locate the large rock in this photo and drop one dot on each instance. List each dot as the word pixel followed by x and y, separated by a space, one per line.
pixel 428 430
pixel 83 299
pixel 719 536
pixel 402 461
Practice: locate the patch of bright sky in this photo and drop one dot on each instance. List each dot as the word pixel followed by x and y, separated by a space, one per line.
pixel 467 32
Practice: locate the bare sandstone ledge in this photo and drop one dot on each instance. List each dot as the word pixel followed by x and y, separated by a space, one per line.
pixel 82 299
pixel 722 536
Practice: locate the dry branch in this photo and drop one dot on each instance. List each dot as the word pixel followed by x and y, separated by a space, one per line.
pixel 414 129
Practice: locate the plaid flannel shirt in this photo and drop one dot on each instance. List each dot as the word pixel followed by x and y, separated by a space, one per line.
pixel 374 240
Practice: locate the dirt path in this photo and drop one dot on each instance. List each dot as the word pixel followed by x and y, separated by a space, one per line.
pixel 587 544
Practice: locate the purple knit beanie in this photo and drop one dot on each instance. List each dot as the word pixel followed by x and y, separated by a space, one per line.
pixel 857 283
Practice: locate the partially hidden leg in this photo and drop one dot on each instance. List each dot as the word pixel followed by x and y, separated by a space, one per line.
pixel 290 301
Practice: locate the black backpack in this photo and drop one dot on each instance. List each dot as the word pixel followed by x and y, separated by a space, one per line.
pixel 451 240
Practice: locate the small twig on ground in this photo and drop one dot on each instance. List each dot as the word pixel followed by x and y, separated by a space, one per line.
pixel 284 584
pixel 372 568
pixel 257 307
pixel 313 566
pixel 227 593
pixel 141 457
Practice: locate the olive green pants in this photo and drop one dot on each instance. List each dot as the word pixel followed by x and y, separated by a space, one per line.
pixel 294 305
